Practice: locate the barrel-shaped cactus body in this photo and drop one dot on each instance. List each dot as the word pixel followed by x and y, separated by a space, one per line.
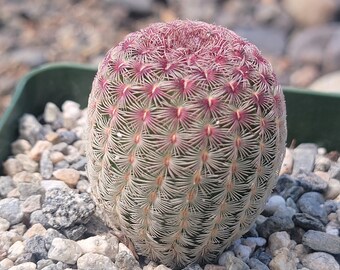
pixel 186 135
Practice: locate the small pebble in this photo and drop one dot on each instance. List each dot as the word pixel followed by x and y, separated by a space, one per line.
pixel 308 222
pixel 11 210
pixel 55 157
pixel 233 262
pixel 64 250
pixel 6 264
pixel 12 166
pixel 35 229
pixel 310 203
pixel 304 157
pixel 69 176
pixel 6 185
pixel 46 165
pixel 20 146
pixel 16 250
pixel 4 224
pixel 320 261
pixel 273 204
pixel 90 261
pixel 38 149
pixel 53 184
pixel 24 266
pixel 31 204
pixel 51 113
pixel 278 240
pixel 99 245
pixel 321 241
pixel 28 164
pixel 283 259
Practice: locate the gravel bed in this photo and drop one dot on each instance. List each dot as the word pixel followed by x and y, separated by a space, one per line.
pixel 48 220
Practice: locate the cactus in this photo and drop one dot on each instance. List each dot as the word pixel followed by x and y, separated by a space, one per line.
pixel 186 136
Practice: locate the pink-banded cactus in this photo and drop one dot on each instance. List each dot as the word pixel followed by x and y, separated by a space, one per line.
pixel 186 136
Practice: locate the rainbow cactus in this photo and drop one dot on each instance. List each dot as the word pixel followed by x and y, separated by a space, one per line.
pixel 186 136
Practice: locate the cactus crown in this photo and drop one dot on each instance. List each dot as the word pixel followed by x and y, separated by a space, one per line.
pixel 186 134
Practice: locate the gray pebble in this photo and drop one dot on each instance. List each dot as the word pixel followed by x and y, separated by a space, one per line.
pixel 24 258
pixel 304 157
pixel 59 147
pixel 273 204
pixel 50 235
pixel 46 165
pixel 311 181
pixel 65 208
pixel 75 232
pixel 193 267
pixel 334 171
pixel 43 263
pixel 124 260
pixel 262 255
pixel 284 182
pixel 6 185
pixel 293 192
pixel 275 224
pixel 67 136
pixel 28 189
pixel 330 206
pixel 257 264
pixel 233 262
pixel 38 217
pixel 29 128
pixel 310 203
pixel 308 222
pixel 321 241
pixel 242 252
pixel 11 210
pixel 36 246
pixel 63 164
pixel 80 164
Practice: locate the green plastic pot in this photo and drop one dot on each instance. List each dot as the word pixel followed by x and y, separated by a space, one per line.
pixel 311 116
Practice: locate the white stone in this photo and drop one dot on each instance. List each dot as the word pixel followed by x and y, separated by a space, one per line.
pixel 24 266
pixel 99 245
pixel 64 250
pixel 6 264
pixel 278 240
pixel 4 224
pixel 51 112
pixel 320 261
pixel 51 184
pixel 16 250
pixel 91 261
pixel 284 260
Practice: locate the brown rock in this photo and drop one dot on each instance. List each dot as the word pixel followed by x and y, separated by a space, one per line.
pixel 67 175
